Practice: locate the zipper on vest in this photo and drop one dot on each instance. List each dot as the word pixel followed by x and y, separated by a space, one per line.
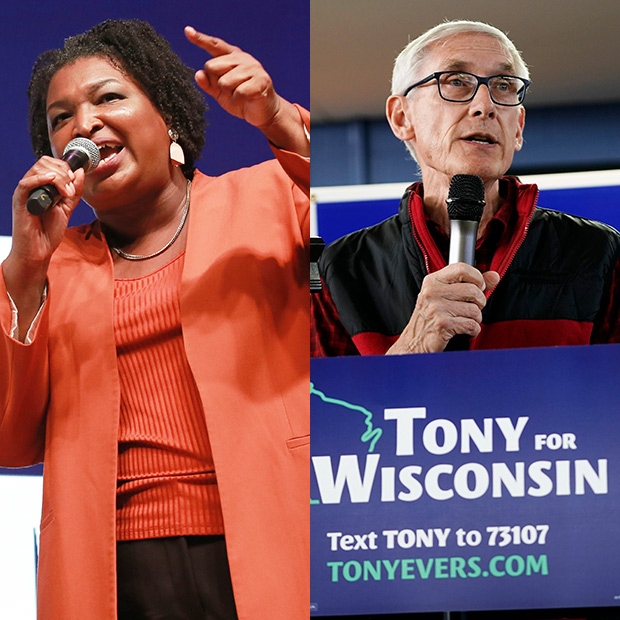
pixel 511 254
pixel 514 251
pixel 427 260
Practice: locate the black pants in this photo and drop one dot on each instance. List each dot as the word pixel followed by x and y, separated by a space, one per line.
pixel 178 578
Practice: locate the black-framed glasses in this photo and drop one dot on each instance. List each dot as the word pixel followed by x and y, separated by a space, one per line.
pixel 460 87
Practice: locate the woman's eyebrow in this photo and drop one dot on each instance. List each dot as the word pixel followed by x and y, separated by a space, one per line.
pixel 92 88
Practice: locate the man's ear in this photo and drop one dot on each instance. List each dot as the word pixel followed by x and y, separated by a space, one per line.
pixel 519 137
pixel 397 112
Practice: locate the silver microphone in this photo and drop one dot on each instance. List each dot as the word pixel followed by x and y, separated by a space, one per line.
pixel 465 206
pixel 79 153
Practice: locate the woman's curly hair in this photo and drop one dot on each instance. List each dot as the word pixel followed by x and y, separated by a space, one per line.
pixel 134 48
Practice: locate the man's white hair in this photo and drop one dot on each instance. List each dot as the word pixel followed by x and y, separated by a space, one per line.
pixel 407 62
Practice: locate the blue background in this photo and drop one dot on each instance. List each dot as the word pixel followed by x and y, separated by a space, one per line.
pixel 276 32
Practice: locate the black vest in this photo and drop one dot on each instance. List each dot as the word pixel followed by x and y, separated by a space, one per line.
pixel 561 271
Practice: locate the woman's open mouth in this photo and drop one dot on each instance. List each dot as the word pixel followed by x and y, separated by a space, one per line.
pixel 107 152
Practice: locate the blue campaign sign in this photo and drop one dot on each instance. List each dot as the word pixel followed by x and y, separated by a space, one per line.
pixel 466 481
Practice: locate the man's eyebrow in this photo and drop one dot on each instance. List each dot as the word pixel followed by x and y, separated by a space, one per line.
pixel 93 88
pixel 462 65
pixel 457 65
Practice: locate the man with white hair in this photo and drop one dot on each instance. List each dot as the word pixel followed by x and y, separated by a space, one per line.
pixel 541 277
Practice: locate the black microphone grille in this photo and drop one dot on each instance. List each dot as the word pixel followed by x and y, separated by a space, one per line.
pixel 466 197
pixel 86 146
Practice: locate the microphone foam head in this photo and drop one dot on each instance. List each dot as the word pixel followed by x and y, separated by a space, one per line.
pixel 466 197
pixel 86 146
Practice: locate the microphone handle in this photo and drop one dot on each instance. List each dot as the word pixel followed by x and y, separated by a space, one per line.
pixel 463 241
pixel 460 342
pixel 462 250
pixel 44 197
pixel 41 199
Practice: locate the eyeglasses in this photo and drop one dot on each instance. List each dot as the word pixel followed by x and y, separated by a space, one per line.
pixel 460 87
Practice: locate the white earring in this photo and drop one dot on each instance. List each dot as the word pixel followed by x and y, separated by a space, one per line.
pixel 176 150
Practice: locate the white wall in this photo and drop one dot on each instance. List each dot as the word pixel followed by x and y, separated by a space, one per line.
pixel 5 246
pixel 19 539
pixel 20 516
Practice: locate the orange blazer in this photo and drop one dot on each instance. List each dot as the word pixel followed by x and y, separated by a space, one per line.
pixel 245 318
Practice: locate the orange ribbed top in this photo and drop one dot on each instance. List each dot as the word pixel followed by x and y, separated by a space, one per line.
pixel 166 478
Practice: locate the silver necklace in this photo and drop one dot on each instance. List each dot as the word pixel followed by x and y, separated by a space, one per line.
pixel 127 256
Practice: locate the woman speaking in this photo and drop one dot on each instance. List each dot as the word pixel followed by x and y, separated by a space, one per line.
pixel 156 360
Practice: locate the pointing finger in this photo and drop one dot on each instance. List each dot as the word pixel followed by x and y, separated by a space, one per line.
pixel 213 45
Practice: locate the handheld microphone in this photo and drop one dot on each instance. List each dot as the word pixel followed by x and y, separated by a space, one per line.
pixel 79 153
pixel 465 206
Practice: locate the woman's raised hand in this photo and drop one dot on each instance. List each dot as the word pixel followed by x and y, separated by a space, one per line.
pixel 240 85
pixel 236 80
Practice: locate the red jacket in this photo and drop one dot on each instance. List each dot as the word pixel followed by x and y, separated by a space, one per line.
pixel 244 307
